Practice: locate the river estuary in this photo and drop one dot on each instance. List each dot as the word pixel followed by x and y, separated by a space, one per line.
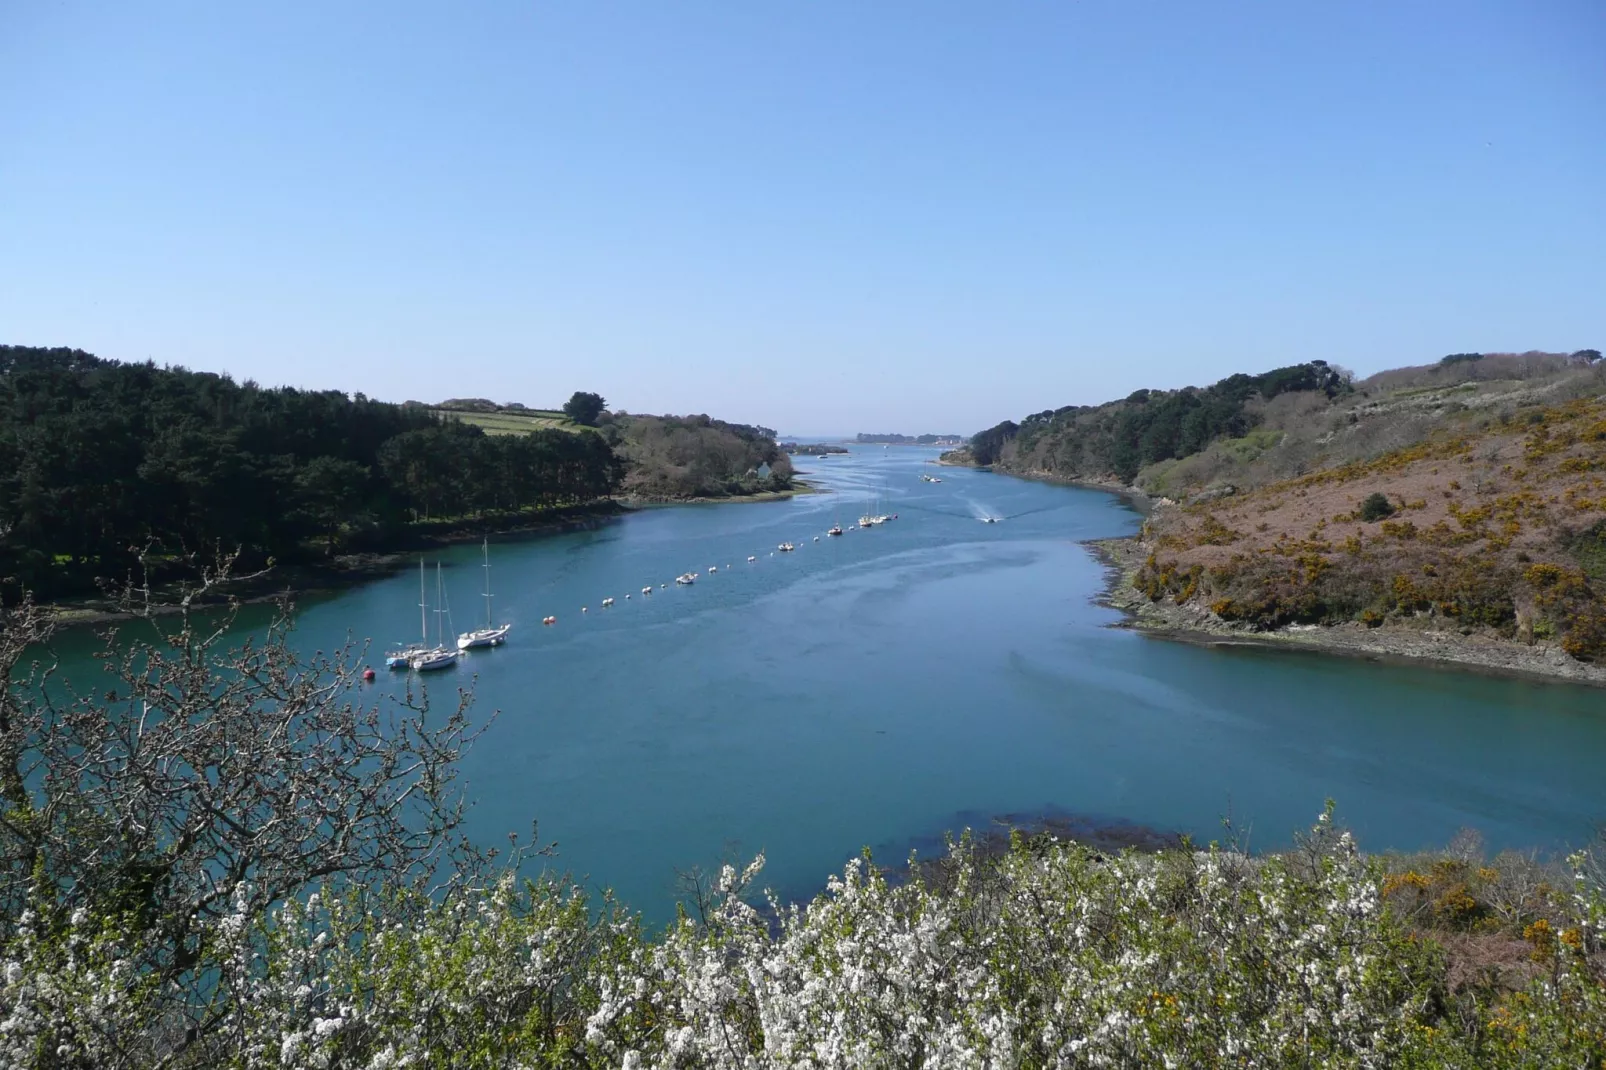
pixel 878 688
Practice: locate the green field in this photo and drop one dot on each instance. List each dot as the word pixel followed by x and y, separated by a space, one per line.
pixel 512 423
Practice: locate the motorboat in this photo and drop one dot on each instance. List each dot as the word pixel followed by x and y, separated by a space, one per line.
pixel 836 529
pixel 686 579
pixel 786 547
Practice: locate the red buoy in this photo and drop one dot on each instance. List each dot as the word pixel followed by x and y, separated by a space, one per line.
pixel 368 674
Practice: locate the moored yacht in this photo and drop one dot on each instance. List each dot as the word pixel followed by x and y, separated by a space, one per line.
pixel 403 658
pixel 491 634
pixel 441 656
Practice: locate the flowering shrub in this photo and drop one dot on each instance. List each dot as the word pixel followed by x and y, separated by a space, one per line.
pixel 1049 956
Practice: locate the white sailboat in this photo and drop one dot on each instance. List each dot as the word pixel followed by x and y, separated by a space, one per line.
pixel 875 516
pixel 441 656
pixel 869 519
pixel 492 634
pixel 401 659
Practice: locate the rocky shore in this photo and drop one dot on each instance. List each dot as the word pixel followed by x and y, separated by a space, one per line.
pixel 1390 642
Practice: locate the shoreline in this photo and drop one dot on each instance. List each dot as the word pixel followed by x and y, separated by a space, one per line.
pixel 798 488
pixel 1137 500
pixel 1396 645
pixel 346 571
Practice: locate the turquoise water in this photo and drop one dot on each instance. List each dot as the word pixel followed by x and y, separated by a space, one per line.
pixel 869 688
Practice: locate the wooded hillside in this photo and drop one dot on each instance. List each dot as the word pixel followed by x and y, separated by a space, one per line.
pixel 100 461
pixel 670 457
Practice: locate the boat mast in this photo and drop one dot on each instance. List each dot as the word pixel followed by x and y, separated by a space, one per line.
pixel 486 546
pixel 423 607
pixel 438 602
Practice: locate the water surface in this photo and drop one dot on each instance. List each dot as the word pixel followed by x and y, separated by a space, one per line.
pixel 869 688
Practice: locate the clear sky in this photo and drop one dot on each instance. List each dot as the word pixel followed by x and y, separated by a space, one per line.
pixel 826 216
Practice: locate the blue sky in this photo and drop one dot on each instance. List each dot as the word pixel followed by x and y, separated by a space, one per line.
pixel 920 216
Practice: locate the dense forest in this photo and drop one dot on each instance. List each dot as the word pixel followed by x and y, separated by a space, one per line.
pixel 1119 438
pixel 101 461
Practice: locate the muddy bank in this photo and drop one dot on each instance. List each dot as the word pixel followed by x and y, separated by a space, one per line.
pixel 652 502
pixel 990 833
pixel 1392 642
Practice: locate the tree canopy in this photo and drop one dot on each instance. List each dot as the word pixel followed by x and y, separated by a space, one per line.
pixel 1121 437
pixel 697 456
pixel 584 407
pixel 101 460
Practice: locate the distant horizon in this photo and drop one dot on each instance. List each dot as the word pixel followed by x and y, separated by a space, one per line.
pixel 739 418
pixel 931 214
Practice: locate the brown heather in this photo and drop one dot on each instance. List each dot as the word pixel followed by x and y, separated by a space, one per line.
pixel 1499 525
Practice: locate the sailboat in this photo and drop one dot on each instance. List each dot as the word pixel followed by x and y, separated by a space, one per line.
pixel 874 517
pixel 491 634
pixel 401 659
pixel 869 519
pixel 441 656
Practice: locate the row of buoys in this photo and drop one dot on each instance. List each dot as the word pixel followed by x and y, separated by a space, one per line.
pixel 684 579
pixel 607 603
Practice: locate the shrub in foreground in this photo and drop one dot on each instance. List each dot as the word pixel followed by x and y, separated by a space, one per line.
pixel 1048 956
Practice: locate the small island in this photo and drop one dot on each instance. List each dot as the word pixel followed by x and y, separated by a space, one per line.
pixel 816 449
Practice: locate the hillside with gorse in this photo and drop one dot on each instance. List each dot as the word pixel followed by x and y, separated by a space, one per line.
pixel 1463 500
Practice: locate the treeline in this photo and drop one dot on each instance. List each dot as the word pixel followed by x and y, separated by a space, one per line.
pixel 911 440
pixel 102 461
pixel 672 457
pixel 1119 438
